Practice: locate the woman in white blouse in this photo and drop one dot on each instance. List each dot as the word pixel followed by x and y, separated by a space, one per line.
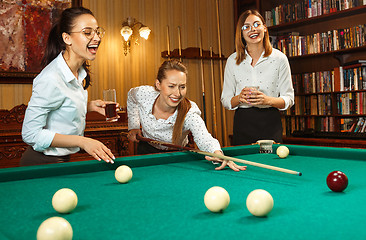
pixel 54 121
pixel 256 63
pixel 165 114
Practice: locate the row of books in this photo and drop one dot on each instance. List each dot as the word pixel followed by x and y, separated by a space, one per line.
pixel 289 12
pixel 292 44
pixel 323 124
pixel 346 104
pixel 314 82
pixel 343 78
pixel 312 105
pixel 351 103
pixel 319 124
pixel 354 126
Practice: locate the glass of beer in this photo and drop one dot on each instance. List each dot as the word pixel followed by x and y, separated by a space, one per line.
pixel 109 97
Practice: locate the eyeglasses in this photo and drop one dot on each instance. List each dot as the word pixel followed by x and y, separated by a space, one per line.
pixel 248 27
pixel 90 32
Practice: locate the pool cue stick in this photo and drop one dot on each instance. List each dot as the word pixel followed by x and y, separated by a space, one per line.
pixel 213 96
pixel 202 77
pixel 179 44
pixel 223 157
pixel 224 130
pixel 168 40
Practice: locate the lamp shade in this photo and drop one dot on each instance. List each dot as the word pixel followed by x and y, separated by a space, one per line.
pixel 126 32
pixel 144 32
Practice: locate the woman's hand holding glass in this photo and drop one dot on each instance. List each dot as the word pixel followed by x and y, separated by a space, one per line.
pixel 252 96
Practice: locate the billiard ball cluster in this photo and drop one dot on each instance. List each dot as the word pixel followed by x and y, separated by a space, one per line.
pixel 65 201
pixel 259 202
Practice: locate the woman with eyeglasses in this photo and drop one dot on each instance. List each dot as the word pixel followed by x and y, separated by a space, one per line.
pixel 257 83
pixel 54 121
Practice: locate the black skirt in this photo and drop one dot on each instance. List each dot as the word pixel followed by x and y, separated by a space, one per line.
pixel 31 157
pixel 253 124
pixel 145 148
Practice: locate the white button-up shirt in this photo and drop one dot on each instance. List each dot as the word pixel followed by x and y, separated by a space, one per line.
pixel 140 104
pixel 272 74
pixel 58 105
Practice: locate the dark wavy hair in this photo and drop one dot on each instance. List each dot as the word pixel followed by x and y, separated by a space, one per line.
pixel 184 105
pixel 55 42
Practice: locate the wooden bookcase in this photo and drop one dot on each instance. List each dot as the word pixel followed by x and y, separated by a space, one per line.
pixel 300 126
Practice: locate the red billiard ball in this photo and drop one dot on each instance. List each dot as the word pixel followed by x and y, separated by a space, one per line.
pixel 337 181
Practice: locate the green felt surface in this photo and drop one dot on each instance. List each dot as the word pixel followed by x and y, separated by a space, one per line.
pixel 164 199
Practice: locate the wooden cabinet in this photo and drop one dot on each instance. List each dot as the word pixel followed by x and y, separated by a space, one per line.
pixel 110 134
pixel 317 47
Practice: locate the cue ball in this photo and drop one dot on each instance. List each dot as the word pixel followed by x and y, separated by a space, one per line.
pixel 282 151
pixel 259 202
pixel 217 199
pixel 64 200
pixel 123 174
pixel 55 228
pixel 337 181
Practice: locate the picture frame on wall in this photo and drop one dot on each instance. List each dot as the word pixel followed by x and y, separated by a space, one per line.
pixel 25 27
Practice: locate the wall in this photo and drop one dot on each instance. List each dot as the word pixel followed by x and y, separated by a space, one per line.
pixel 112 69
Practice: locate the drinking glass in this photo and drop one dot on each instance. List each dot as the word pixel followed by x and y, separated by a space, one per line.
pixel 109 97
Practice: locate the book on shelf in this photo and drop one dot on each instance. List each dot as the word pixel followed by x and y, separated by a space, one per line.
pixel 294 44
pixel 363 128
pixel 302 9
pixel 351 103
pixel 359 124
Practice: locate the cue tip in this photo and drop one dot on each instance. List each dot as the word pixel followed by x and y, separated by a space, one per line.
pixel 299 173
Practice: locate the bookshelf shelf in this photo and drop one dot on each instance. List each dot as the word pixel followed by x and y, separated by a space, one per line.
pixel 323 116
pixel 330 53
pixel 318 49
pixel 318 19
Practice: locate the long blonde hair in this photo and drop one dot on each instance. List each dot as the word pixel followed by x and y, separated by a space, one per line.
pixel 183 106
pixel 240 43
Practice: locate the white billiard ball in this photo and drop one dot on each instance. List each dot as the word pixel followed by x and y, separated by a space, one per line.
pixel 123 174
pixel 55 228
pixel 64 200
pixel 282 151
pixel 259 202
pixel 217 199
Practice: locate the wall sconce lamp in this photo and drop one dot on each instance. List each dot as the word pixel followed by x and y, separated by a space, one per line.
pixel 128 32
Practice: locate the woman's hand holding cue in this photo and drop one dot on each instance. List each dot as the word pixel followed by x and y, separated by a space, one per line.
pixel 134 134
pixel 225 163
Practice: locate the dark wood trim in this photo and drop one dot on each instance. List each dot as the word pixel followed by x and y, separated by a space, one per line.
pixel 344 143
pixel 113 135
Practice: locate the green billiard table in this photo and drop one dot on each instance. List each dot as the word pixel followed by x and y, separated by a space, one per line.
pixel 164 199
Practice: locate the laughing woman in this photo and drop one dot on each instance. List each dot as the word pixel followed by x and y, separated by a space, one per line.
pixel 165 114
pixel 54 121
pixel 257 83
